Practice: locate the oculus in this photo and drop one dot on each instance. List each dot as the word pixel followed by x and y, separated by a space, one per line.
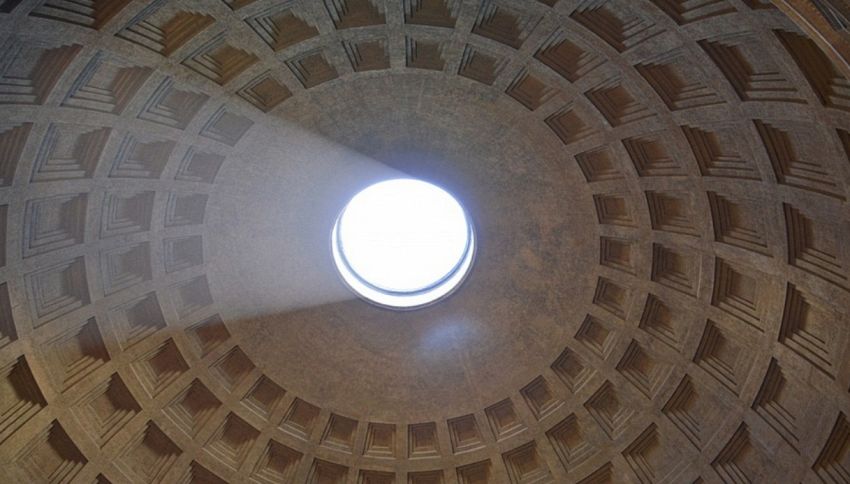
pixel 403 243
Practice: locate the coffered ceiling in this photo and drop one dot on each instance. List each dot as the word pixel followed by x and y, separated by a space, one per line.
pixel 659 189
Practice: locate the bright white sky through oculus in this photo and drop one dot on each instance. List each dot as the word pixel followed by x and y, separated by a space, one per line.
pixel 403 235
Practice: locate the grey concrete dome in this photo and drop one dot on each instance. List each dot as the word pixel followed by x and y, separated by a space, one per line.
pixel 660 195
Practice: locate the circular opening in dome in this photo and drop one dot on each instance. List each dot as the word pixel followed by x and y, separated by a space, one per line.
pixel 403 243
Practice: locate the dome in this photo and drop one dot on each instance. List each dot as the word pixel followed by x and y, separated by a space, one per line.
pixel 657 189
